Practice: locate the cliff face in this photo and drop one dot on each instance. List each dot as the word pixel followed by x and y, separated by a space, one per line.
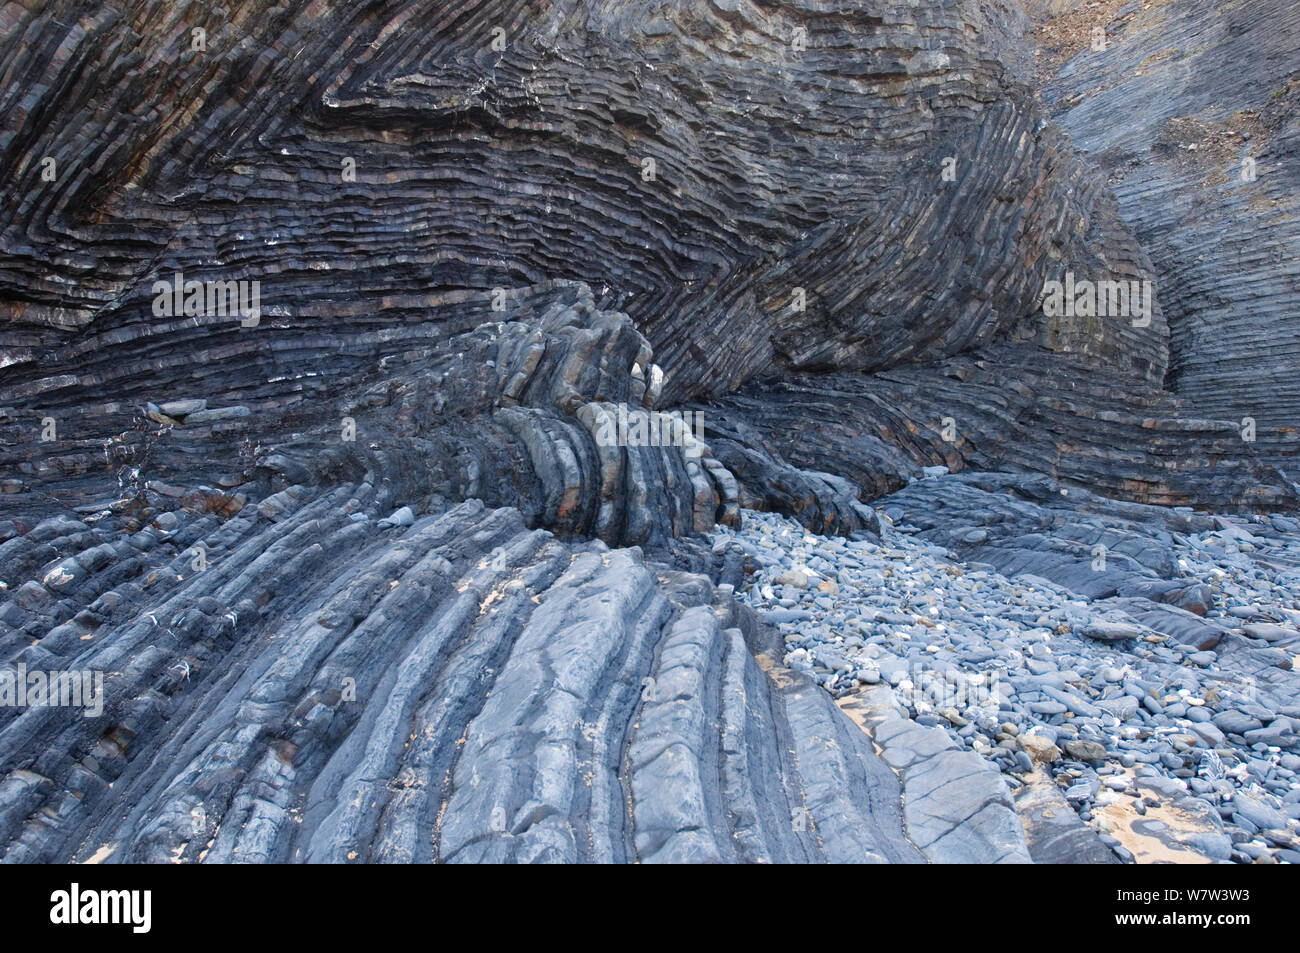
pixel 361 535
pixel 1205 166
pixel 694 164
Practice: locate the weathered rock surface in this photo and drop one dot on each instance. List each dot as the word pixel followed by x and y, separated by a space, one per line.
pixel 1008 408
pixel 1054 833
pixel 462 688
pixel 1205 166
pixel 510 412
pixel 379 566
pixel 775 168
pixel 956 806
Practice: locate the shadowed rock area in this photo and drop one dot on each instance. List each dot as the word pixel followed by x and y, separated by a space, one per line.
pixel 468 432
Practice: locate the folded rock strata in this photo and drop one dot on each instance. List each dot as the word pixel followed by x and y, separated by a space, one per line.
pixel 463 688
pixel 453 407
pixel 776 169
pixel 1003 408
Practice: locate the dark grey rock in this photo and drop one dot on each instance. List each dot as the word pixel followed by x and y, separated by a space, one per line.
pixel 383 588
pixel 1200 94
pixel 1235 722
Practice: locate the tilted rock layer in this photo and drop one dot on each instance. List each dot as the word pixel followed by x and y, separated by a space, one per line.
pixel 1205 167
pixel 777 165
pixel 363 571
pixel 329 687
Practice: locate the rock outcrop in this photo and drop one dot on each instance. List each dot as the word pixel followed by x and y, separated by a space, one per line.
pixel 695 165
pixel 524 412
pixel 334 687
pixel 1004 408
pixel 1204 166
pixel 373 375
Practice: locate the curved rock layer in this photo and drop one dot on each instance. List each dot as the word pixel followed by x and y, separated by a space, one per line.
pixel 523 412
pixel 1001 409
pixel 1205 167
pixel 327 686
pixel 344 561
pixel 363 160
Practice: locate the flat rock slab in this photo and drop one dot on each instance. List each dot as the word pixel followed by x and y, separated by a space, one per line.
pixel 1174 829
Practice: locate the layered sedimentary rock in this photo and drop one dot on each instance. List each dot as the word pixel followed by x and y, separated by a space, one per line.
pixel 523 412
pixel 373 558
pixel 1204 165
pixel 1007 408
pixel 793 146
pixel 761 189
